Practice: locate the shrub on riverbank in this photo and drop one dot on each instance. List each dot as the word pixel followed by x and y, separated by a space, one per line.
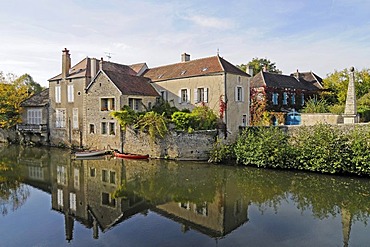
pixel 320 148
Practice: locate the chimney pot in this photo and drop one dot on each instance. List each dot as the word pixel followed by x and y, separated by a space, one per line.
pixel 185 57
pixel 66 63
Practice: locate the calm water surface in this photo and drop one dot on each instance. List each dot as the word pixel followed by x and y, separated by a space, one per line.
pixel 48 199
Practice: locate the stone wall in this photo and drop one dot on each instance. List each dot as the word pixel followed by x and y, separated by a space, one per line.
pixel 315 118
pixel 178 145
pixel 8 136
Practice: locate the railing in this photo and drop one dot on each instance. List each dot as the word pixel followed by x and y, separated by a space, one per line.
pixel 36 128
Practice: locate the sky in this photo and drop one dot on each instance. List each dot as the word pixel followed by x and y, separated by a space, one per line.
pixel 309 35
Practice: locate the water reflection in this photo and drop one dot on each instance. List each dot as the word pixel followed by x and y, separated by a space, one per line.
pixel 213 200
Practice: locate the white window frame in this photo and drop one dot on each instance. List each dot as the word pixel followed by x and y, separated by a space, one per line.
pixel 285 98
pixel 275 98
pixel 239 94
pixel 70 93
pixel 60 197
pixel 135 103
pixel 60 118
pixel 110 124
pixel 164 95
pixel 75 118
pixel 111 103
pixel 104 130
pixel 186 98
pixel 72 201
pixel 201 95
pixel 58 94
pixel 34 116
pixel 244 120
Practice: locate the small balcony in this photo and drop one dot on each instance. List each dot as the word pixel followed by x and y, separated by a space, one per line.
pixel 33 128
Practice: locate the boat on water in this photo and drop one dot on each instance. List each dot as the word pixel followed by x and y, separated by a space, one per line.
pixel 90 153
pixel 131 156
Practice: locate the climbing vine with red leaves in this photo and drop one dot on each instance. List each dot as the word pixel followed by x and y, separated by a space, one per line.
pixel 258 105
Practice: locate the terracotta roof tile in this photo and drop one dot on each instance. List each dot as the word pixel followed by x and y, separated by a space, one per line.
pixel 131 84
pixel 198 67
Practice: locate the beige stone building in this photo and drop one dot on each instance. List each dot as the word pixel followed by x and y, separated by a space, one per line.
pixel 212 81
pixel 112 88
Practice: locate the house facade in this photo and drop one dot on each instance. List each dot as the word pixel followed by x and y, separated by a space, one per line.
pixel 284 93
pixel 111 89
pixel 35 119
pixel 210 81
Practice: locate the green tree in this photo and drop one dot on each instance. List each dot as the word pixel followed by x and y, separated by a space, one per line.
pixel 14 90
pixel 257 64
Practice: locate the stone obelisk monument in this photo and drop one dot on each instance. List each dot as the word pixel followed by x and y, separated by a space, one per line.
pixel 350 112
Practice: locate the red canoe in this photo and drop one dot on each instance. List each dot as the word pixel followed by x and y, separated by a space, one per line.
pixel 131 156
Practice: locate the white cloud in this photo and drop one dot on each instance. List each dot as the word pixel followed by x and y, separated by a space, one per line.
pixel 210 22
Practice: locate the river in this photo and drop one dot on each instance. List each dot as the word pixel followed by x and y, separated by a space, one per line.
pixel 49 199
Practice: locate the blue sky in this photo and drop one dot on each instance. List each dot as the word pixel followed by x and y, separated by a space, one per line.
pixel 317 35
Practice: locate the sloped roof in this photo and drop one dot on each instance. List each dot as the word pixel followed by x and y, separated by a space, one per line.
pixel 77 71
pixel 198 67
pixel 281 81
pixel 39 99
pixel 138 67
pixel 131 84
pixel 311 78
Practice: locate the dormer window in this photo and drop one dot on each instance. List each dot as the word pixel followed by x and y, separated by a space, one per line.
pixel 204 69
pixel 183 72
pixel 160 76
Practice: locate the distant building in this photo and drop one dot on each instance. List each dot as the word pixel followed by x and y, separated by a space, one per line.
pixel 35 118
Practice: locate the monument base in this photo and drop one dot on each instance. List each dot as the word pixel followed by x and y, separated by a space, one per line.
pixel 350 119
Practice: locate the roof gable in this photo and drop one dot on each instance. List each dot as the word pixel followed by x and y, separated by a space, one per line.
pixel 197 67
pixel 77 71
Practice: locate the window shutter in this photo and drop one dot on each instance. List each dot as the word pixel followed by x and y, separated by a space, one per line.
pixel 75 118
pixel 180 96
pixel 242 94
pixel 188 95
pixel 195 95
pixel 57 94
pixel 206 95
pixel 236 93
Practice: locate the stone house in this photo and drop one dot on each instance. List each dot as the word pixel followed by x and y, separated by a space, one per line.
pixel 212 81
pixel 113 87
pixel 67 109
pixel 284 93
pixel 35 118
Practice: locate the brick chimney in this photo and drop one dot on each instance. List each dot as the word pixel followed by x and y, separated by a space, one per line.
pixel 93 66
pixel 66 63
pixel 185 57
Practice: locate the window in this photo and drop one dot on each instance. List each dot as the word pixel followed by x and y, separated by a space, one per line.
pixel 244 120
pixel 285 98
pixel 92 172
pixel 72 201
pixel 75 118
pixel 293 99
pixel 164 95
pixel 135 104
pixel 302 99
pixel 60 197
pixel 60 118
pixel 275 97
pixel 103 128
pixel 112 129
pixel 105 176
pixel 239 94
pixel 184 95
pixel 112 177
pixel 107 104
pixel 202 209
pixel 34 116
pixel 92 129
pixel 76 178
pixel 58 98
pixel 201 95
pixel 61 175
pixel 107 200
pixel 70 93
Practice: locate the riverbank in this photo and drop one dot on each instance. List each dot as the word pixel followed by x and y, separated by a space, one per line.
pixel 334 149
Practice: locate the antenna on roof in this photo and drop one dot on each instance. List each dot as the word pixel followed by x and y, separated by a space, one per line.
pixel 108 55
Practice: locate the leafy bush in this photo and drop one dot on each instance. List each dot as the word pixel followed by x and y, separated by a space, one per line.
pixel 125 117
pixel 315 106
pixel 359 146
pixel 201 118
pixel 321 148
pixel 336 109
pixel 154 123
pixel 163 106
pixel 263 147
pixel 221 152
